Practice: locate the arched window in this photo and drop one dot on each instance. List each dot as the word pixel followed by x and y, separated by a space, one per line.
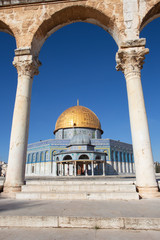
pixel 124 156
pixel 53 152
pixel 67 157
pixel 41 156
pixel 120 156
pixel 33 157
pixel 37 157
pixel 30 157
pixel 46 156
pixel 57 159
pixel 116 155
pixel 98 157
pixel 132 158
pixel 84 156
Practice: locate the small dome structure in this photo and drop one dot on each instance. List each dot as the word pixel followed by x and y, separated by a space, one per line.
pixel 80 139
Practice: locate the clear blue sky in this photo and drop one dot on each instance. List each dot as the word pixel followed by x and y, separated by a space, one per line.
pixel 78 61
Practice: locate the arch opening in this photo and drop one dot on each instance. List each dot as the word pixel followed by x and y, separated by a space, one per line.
pixel 67 157
pixel 98 157
pixel 8 83
pixel 70 15
pixel 151 84
pixel 84 156
pixel 5 28
pixel 152 14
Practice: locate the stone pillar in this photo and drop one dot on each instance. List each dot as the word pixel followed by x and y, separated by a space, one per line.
pixel 114 161
pixel 98 168
pixel 71 169
pixel 86 171
pixel 104 169
pixel 119 163
pixel 75 169
pixel 130 164
pixel 130 60
pixel 61 170
pixel 27 66
pixel 68 169
pixel 127 165
pixel 92 165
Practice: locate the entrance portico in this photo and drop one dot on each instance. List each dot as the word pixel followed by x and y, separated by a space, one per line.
pixel 85 167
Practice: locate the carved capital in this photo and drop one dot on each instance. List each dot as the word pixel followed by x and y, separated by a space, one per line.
pixel 131 59
pixel 26 65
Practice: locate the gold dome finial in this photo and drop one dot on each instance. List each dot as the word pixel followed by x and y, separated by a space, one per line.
pixel 77 102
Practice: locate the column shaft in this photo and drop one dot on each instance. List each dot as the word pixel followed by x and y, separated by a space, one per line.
pixel 130 61
pixel 145 175
pixel 104 169
pixel 92 164
pixel 20 124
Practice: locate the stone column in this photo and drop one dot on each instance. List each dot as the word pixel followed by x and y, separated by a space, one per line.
pixel 119 163
pixel 68 169
pixel 92 165
pixel 75 169
pixel 114 162
pixel 130 164
pixel 27 67
pixel 61 170
pixel 130 60
pixel 127 165
pixel 86 171
pixel 104 169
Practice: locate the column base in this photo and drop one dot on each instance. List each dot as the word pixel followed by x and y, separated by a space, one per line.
pixel 148 192
pixel 10 191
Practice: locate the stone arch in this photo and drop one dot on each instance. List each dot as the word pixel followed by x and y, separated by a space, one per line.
pixel 70 15
pixel 5 28
pixel 153 13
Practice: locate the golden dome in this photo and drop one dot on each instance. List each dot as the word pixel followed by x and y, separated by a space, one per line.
pixel 78 116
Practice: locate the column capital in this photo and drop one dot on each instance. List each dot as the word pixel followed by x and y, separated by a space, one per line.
pixel 131 58
pixel 26 63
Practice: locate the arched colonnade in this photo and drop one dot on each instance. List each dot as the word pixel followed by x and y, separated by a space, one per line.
pixel 32 23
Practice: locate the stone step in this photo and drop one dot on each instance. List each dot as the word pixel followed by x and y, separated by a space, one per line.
pixel 79 188
pixel 75 182
pixel 78 196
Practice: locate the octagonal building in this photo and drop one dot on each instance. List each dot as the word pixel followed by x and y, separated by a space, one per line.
pixel 78 149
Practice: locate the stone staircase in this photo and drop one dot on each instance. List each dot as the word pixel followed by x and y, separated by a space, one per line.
pixel 75 189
